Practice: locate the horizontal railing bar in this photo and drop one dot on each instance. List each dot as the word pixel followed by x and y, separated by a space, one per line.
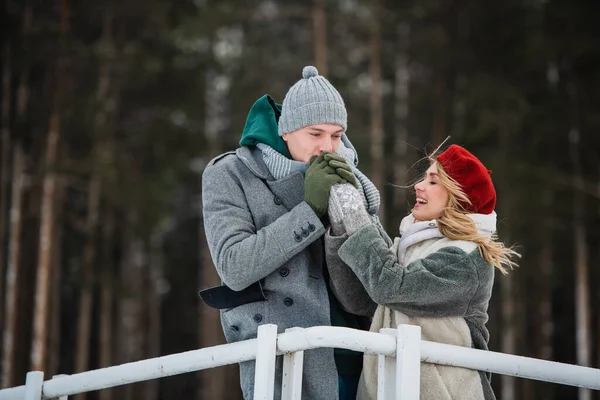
pixel 438 353
pixel 144 370
pixel 13 393
pixel 509 364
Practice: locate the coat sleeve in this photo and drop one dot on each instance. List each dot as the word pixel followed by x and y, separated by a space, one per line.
pixel 242 254
pixel 344 283
pixel 439 285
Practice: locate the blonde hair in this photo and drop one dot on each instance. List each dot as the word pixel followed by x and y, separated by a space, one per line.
pixel 455 224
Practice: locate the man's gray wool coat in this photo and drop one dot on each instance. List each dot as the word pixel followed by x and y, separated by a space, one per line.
pixel 261 229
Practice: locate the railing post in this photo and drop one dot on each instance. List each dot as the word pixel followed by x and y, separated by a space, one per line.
pixel 386 371
pixel 293 363
pixel 61 397
pixel 264 373
pixel 33 385
pixel 408 362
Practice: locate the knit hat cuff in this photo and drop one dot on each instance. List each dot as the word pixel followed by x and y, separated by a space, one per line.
pixel 312 114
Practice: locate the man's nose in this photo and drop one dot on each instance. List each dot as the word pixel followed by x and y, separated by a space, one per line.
pixel 327 145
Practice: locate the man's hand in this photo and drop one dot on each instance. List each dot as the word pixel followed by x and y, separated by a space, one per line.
pixel 319 179
pixel 341 167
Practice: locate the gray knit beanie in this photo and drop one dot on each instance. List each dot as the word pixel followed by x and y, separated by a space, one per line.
pixel 312 100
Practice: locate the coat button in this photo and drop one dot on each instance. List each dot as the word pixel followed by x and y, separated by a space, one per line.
pixel 277 201
pixel 288 302
pixel 257 318
pixel 305 232
pixel 235 328
pixel 297 237
pixel 311 227
pixel 284 272
pixel 432 224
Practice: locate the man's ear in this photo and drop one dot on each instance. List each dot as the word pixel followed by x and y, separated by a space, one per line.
pixel 285 137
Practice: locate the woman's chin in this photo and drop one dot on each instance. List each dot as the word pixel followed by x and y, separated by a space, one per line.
pixel 420 216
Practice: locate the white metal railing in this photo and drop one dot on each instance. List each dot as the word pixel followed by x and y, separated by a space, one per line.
pixel 400 352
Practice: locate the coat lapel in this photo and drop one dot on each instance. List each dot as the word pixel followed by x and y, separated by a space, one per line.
pixel 290 190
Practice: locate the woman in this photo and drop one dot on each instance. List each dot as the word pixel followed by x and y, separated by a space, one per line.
pixel 438 275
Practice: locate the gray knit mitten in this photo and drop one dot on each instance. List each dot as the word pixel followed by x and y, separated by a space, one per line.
pixel 334 213
pixel 346 209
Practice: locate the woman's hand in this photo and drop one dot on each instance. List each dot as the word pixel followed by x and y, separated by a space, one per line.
pixel 346 209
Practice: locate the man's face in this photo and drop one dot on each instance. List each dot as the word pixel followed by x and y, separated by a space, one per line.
pixel 312 140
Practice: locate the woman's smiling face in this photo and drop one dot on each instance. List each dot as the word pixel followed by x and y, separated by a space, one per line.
pixel 432 196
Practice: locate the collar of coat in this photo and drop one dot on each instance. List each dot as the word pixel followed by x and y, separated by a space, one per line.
pixel 413 232
pixel 251 157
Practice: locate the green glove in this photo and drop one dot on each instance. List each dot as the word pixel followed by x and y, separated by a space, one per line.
pixel 319 179
pixel 341 167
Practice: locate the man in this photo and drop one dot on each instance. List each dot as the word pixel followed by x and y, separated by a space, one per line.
pixel 265 214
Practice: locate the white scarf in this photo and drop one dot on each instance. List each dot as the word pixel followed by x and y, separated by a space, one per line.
pixel 412 232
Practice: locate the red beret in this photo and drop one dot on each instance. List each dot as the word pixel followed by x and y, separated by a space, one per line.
pixel 473 177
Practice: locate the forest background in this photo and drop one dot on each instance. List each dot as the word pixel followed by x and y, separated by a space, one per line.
pixel 110 110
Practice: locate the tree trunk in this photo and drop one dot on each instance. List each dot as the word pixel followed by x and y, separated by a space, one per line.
pixel 107 279
pixel 131 334
pixel 320 36
pixel 377 153
pixel 542 315
pixel 214 382
pixel 55 300
pixel 401 109
pixel 16 224
pixel 4 168
pixel 582 302
pixel 106 301
pixel 94 198
pixel 85 301
pixel 508 332
pixel 155 290
pixel 545 304
pixel 44 268
pixel 12 274
pixel 545 325
pixel 46 246
pixel 508 283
